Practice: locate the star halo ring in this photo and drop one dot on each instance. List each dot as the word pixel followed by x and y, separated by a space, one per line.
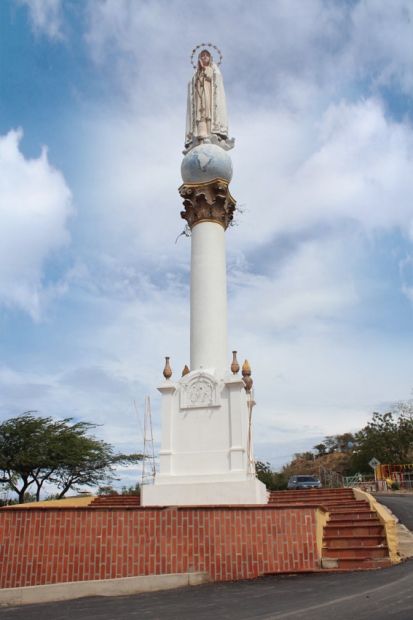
pixel 205 45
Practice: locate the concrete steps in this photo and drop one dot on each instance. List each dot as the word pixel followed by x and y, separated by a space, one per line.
pixel 353 538
pixel 356 527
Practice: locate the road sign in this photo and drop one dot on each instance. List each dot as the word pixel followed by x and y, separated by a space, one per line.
pixel 374 463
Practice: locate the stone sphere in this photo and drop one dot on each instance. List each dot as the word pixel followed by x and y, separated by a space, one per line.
pixel 205 163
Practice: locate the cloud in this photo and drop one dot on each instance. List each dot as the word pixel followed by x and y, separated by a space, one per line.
pixel 406 274
pixel 351 164
pixel 319 186
pixel 382 39
pixel 328 44
pixel 35 203
pixel 361 168
pixel 46 17
pixel 318 269
pixel 310 288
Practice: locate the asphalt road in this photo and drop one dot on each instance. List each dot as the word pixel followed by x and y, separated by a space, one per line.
pixel 373 595
pixel 401 506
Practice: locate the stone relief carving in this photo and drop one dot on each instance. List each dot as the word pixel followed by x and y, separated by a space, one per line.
pixel 201 391
pixel 201 394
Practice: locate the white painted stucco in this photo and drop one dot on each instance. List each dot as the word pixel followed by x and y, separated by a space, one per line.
pixel 204 443
pixel 209 323
pixel 205 457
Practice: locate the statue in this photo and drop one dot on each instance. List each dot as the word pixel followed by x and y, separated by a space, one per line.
pixel 206 118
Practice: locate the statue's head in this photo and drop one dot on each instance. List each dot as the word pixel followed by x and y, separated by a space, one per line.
pixel 204 59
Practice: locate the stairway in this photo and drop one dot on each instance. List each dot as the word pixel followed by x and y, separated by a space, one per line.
pixel 353 538
pixel 116 501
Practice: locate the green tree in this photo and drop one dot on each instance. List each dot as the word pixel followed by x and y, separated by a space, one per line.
pixel 23 452
pixel 321 449
pixel 265 474
pixel 388 437
pixel 132 490
pixel 35 451
pixel 107 489
pixel 273 480
pixel 280 481
pixel 304 456
pixel 89 462
pixel 336 443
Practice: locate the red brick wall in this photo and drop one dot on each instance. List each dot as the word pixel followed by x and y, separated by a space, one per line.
pixel 52 545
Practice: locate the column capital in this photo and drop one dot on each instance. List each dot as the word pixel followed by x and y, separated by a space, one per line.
pixel 207 202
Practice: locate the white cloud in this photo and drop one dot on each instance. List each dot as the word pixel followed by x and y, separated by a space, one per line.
pixel 362 168
pixel 406 274
pixel 46 17
pixel 323 164
pixel 347 165
pixel 318 183
pixel 352 163
pixel 327 44
pixel 310 289
pixel 35 203
pixel 382 38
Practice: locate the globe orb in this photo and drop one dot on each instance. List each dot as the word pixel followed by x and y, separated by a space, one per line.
pixel 205 163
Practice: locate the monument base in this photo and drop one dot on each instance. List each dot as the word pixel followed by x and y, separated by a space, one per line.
pixel 250 491
pixel 206 447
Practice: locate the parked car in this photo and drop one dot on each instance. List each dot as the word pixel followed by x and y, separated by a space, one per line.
pixel 303 482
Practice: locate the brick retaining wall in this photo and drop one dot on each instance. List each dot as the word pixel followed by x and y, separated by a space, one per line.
pixel 55 545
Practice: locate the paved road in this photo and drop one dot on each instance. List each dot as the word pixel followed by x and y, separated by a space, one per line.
pixel 401 506
pixel 373 595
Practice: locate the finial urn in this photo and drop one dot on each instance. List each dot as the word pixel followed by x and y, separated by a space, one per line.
pixel 234 365
pixel 246 375
pixel 167 371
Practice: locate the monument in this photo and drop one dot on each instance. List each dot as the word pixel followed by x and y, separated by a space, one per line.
pixel 206 449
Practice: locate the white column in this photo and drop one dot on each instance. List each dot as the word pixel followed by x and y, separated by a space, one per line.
pixel 209 324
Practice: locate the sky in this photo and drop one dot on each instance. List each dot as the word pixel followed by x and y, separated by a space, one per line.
pixel 94 285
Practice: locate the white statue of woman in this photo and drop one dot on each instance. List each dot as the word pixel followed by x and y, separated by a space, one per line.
pixel 206 118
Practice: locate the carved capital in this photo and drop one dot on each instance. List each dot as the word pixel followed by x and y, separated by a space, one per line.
pixel 210 202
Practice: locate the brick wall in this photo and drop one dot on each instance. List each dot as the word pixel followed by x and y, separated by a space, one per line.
pixel 51 545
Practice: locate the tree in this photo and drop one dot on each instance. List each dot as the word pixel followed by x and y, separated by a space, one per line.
pixel 273 480
pixel 388 437
pixel 321 449
pixel 35 451
pixel 304 456
pixel 24 443
pixel 107 489
pixel 335 443
pixel 89 462
pixel 132 490
pixel 265 474
pixel 403 408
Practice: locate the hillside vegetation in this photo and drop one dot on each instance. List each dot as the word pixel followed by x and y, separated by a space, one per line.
pixel 388 437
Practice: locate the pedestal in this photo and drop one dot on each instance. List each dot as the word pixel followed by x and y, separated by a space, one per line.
pixel 204 449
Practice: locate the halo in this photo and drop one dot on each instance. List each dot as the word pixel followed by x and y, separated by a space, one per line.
pixel 205 45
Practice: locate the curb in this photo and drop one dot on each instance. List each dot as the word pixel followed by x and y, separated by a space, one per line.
pixel 387 520
pixel 103 587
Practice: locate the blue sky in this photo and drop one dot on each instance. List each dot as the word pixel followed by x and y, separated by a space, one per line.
pixel 93 288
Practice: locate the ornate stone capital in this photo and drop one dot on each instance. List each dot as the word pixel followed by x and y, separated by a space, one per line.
pixel 211 202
